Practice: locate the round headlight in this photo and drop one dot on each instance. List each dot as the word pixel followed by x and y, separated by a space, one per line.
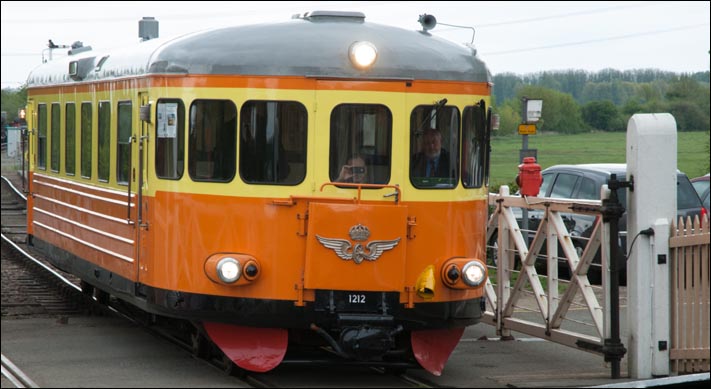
pixel 363 54
pixel 228 270
pixel 473 273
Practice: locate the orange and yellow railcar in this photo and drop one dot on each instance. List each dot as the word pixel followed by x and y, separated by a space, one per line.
pixel 202 178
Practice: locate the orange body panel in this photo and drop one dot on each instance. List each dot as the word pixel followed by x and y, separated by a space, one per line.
pixel 87 221
pixel 186 229
pixel 325 269
pixel 272 82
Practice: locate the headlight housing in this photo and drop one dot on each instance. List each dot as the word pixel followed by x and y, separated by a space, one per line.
pixel 232 269
pixel 464 273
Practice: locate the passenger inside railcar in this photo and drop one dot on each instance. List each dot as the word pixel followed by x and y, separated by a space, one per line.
pixel 354 170
pixel 432 160
pixel 434 146
pixel 363 131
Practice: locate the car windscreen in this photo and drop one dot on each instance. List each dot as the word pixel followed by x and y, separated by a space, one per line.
pixel 686 196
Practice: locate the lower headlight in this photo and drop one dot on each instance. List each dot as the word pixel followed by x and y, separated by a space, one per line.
pixel 473 273
pixel 228 269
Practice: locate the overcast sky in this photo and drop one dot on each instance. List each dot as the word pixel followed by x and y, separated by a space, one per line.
pixel 519 37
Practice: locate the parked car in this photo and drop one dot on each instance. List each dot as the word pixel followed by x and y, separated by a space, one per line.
pixel 584 182
pixel 701 184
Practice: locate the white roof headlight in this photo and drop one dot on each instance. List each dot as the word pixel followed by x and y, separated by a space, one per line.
pixel 229 270
pixel 363 54
pixel 473 273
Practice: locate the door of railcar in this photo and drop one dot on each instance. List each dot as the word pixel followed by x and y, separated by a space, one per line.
pixel 353 159
pixel 139 176
pixel 31 116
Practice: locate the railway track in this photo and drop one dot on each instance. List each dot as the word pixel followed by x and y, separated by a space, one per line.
pixel 15 375
pixel 13 212
pixel 30 286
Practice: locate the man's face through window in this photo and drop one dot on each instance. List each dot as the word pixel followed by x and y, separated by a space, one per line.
pixel 432 144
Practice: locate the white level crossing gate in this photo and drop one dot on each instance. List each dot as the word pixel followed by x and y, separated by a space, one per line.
pixel 525 293
pixel 571 312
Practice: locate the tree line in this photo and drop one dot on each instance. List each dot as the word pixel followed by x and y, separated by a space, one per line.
pixel 576 101
pixel 12 101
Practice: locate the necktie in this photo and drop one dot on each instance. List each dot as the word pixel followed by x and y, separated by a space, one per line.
pixel 431 169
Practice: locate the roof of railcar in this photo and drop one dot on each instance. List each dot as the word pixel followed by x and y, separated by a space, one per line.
pixel 311 46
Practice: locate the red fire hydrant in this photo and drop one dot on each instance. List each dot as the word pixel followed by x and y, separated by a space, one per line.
pixel 529 177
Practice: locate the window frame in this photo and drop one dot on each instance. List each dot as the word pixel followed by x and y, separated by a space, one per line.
pixel 418 127
pixel 123 146
pixel 218 144
pixel 479 159
pixel 161 134
pixel 253 131
pixel 70 127
pixel 42 136
pixel 104 141
pixel 86 145
pixel 55 133
pixel 363 141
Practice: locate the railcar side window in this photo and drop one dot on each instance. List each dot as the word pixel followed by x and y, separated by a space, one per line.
pixel 474 144
pixel 104 140
pixel 212 140
pixel 361 144
pixel 170 135
pixel 434 146
pixel 123 141
pixel 273 142
pixel 86 124
pixel 55 136
pixel 42 136
pixel 70 140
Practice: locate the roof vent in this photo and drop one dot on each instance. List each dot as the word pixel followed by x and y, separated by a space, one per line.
pixel 78 47
pixel 148 28
pixel 335 15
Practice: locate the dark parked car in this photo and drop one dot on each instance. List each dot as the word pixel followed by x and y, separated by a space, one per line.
pixel 701 184
pixel 584 182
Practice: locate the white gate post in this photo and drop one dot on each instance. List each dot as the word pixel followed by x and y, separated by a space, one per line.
pixel 503 271
pixel 651 161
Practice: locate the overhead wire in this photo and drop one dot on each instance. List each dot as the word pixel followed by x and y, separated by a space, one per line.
pixel 572 14
pixel 585 42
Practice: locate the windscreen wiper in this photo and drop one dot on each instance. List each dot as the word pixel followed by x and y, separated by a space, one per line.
pixel 438 106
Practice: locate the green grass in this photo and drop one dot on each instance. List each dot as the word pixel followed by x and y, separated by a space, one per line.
pixel 562 285
pixel 608 147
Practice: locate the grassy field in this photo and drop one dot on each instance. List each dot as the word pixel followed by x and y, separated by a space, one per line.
pixel 555 149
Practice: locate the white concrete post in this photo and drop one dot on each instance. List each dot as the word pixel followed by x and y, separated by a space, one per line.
pixel 651 161
pixel 661 300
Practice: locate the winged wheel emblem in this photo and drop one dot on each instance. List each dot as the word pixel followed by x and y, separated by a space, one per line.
pixel 358 252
